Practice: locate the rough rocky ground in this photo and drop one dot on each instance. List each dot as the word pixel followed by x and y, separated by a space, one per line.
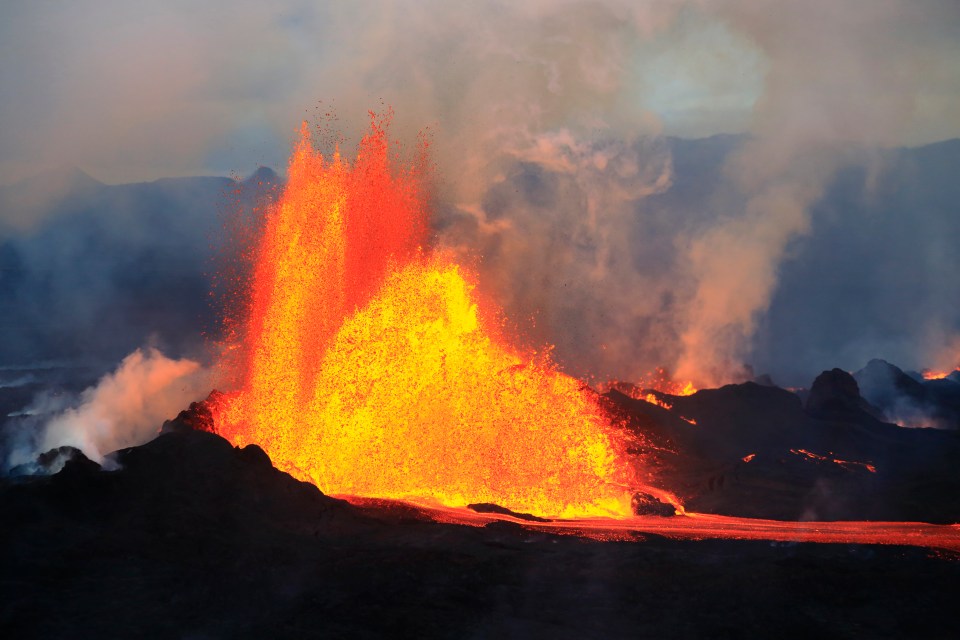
pixel 760 451
pixel 193 538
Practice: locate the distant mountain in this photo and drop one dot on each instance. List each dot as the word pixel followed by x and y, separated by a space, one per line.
pixel 91 271
pixel 28 200
pixel 877 274
pixel 908 401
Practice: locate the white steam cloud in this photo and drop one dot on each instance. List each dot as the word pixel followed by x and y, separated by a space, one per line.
pixel 833 88
pixel 126 408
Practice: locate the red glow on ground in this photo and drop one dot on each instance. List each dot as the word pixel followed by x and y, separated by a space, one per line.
pixel 702 526
pixel 846 464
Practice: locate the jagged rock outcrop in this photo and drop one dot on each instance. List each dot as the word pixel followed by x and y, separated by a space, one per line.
pixel 835 394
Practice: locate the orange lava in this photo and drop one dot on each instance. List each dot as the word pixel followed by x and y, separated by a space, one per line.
pixel 660 380
pixel 935 375
pixel 653 399
pixel 701 526
pixel 846 464
pixel 656 395
pixel 370 370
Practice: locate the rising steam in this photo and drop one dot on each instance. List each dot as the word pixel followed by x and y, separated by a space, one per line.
pixel 124 409
pixel 548 125
pixel 831 90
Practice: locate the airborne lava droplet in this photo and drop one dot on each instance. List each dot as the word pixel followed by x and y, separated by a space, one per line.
pixel 369 369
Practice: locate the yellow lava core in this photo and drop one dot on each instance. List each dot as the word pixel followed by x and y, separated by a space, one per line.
pixel 368 369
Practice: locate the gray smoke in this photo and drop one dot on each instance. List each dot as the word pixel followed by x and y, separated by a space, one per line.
pixel 834 88
pixel 556 180
pixel 124 409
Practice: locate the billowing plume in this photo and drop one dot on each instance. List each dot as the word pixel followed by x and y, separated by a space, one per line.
pixel 548 122
pixel 126 408
pixel 832 89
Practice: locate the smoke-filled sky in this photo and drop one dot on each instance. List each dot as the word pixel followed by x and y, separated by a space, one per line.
pixel 138 90
pixel 550 124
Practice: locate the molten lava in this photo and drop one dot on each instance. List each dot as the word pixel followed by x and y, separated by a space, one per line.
pixel 846 464
pixel 660 380
pixel 652 399
pixel 370 370
pixel 936 375
pixel 652 388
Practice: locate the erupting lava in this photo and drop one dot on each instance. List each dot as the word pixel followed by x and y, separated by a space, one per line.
pixel 660 380
pixel 369 369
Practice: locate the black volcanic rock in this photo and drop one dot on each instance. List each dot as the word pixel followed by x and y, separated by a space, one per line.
pixel 63 459
pixel 645 504
pixel 764 380
pixel 489 507
pixel 836 394
pixel 193 538
pixel 752 450
pixel 197 417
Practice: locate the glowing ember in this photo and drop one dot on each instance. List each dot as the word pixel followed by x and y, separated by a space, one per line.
pixel 660 380
pixel 935 375
pixel 748 458
pixel 846 464
pixel 653 399
pixel 370 369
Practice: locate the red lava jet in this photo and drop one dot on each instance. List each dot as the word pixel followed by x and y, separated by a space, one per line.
pixel 370 369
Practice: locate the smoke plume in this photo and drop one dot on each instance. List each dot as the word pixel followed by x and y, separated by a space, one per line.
pixel 555 175
pixel 831 90
pixel 126 408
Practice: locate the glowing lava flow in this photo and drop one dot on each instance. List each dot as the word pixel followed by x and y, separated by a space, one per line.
pixel 702 526
pixel 937 375
pixel 846 464
pixel 369 370
pixel 658 381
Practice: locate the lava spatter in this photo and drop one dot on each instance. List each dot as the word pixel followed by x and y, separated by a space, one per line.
pixel 369 369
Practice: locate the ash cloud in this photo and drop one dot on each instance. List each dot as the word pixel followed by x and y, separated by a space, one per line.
pixel 832 89
pixel 555 174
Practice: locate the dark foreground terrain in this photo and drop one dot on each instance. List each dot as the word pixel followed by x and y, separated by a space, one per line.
pixel 759 451
pixel 193 538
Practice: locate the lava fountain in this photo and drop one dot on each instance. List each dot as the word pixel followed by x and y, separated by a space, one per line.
pixel 370 368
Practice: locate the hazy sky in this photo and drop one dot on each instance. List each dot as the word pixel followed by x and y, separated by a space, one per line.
pixel 137 90
pixel 547 120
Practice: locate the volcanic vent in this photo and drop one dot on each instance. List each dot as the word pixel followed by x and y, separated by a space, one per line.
pixel 370 368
